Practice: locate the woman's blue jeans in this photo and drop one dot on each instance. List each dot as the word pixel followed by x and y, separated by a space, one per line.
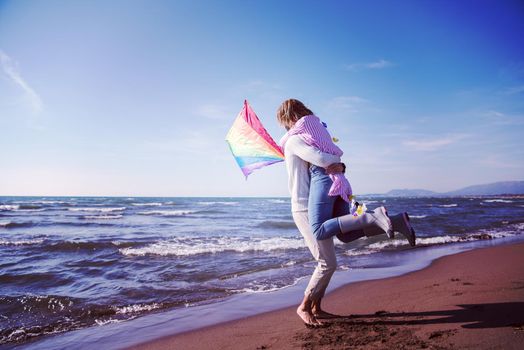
pixel 324 209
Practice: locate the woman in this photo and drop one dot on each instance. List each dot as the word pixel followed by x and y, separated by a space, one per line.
pixel 329 213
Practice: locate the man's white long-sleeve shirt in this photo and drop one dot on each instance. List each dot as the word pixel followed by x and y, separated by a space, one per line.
pixel 298 156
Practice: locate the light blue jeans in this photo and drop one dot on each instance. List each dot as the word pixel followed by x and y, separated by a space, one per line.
pixel 324 209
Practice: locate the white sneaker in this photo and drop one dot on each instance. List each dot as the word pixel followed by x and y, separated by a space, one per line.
pixel 380 214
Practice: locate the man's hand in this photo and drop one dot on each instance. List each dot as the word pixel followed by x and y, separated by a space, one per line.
pixel 336 168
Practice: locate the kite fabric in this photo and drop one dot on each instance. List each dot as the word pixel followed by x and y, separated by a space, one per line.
pixel 250 143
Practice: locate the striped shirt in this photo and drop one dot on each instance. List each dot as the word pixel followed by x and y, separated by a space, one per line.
pixel 310 129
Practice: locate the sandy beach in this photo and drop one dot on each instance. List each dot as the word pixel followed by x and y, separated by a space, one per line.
pixel 471 300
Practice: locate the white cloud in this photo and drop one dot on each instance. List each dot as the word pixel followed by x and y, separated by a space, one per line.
pixel 501 119
pixel 351 104
pixel 187 143
pixel 497 161
pixel 433 144
pixel 10 69
pixel 380 64
pixel 514 90
pixel 215 111
pixel 261 84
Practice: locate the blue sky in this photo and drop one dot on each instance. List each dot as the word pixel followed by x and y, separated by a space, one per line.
pixel 135 97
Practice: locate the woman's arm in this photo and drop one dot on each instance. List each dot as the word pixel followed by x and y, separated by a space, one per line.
pixel 310 154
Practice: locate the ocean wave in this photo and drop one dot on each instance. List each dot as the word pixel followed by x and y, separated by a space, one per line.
pixel 47 202
pixel 12 224
pixel 417 216
pixel 87 245
pixel 218 203
pixel 448 205
pixel 266 287
pixel 56 310
pixel 497 201
pixel 436 240
pixel 103 322
pixel 156 204
pixel 168 212
pixel 21 207
pixel 278 224
pixel 278 201
pixel 29 207
pixel 18 242
pixel 289 263
pixel 103 210
pixel 40 279
pixel 359 251
pixel 82 223
pixel 136 308
pixel 7 207
pixel 186 247
pixel 101 217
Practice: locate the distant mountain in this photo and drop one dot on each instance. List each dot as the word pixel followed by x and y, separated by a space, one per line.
pixel 505 187
pixel 496 188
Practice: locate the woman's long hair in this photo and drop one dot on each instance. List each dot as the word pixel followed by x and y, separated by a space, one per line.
pixel 290 111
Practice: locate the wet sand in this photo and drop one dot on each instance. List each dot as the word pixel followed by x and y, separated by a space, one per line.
pixel 470 300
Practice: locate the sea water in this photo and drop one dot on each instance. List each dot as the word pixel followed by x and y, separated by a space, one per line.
pixel 68 263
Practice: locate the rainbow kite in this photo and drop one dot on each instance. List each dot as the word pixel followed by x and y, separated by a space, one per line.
pixel 251 145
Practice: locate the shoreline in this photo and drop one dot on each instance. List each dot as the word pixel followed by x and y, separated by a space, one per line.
pixel 148 329
pixel 478 305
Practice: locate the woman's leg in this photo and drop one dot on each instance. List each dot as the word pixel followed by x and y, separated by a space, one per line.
pixel 321 205
pixel 342 209
pixel 324 210
pixel 324 253
pixel 368 222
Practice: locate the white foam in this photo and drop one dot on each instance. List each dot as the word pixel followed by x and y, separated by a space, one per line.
pixel 136 308
pixel 448 205
pixel 427 241
pixel 109 321
pixel 260 289
pixel 185 247
pixel 497 200
pixel 41 202
pixel 102 217
pixel 103 210
pixel 5 223
pixel 278 201
pixel 357 252
pixel 264 288
pixel 21 242
pixel 147 204
pixel 417 216
pixel 9 207
pixel 218 203
pixel 167 212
